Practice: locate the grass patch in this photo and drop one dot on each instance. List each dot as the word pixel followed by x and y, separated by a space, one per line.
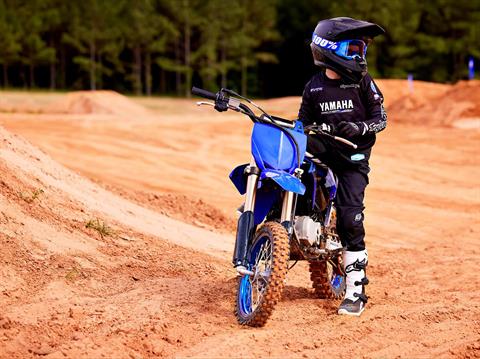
pixel 72 274
pixel 31 197
pixel 101 227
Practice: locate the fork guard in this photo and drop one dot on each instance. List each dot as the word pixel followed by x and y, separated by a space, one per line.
pixel 245 232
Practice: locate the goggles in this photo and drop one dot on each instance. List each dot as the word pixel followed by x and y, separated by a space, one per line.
pixel 348 49
pixel 351 49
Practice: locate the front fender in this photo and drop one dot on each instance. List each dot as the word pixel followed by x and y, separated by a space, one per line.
pixel 284 180
pixel 266 197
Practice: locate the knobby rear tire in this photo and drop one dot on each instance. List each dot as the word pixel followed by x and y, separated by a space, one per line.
pixel 278 236
pixel 321 274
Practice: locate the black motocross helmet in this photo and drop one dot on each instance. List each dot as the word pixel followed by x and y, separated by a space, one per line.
pixel 340 44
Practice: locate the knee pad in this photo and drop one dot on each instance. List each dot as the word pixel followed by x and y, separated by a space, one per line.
pixel 350 227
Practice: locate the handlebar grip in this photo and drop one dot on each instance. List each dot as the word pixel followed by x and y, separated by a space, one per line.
pixel 204 93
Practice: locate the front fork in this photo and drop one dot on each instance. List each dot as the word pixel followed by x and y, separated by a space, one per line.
pixel 246 222
pixel 288 206
pixel 287 209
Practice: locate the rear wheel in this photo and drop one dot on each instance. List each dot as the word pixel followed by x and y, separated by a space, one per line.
pixel 328 280
pixel 258 294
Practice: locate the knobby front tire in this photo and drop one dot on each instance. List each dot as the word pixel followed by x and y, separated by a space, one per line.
pixel 268 258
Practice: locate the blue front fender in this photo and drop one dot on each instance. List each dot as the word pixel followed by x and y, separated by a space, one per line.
pixel 284 180
pixel 265 198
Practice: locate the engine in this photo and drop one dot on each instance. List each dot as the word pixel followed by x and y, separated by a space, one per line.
pixel 308 231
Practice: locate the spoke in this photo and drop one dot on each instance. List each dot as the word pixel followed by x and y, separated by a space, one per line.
pixel 262 270
pixel 265 283
pixel 258 295
pixel 264 274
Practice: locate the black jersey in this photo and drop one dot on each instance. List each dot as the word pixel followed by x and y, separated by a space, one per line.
pixel 332 101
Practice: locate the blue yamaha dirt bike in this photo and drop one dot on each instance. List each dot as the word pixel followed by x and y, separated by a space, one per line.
pixel 288 214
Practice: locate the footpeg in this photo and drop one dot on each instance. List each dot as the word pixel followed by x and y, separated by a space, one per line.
pixel 243 271
pixel 333 245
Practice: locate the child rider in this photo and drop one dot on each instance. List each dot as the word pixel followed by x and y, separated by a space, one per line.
pixel 345 101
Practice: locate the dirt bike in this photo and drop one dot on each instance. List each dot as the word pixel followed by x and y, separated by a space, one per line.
pixel 288 214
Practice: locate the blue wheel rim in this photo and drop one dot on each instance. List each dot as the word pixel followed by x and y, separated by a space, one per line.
pixel 245 288
pixel 245 296
pixel 336 281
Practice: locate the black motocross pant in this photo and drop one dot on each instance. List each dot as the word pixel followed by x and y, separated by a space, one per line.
pixel 352 181
pixel 349 202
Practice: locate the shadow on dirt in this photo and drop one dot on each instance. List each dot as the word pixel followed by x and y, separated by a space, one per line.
pixel 294 293
pixel 291 293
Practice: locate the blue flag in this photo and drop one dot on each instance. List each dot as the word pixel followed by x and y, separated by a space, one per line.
pixel 471 69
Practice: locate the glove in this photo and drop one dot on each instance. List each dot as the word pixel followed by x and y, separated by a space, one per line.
pixel 327 128
pixel 350 129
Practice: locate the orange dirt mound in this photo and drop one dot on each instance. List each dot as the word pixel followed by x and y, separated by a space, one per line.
pixel 187 209
pixel 68 289
pixel 460 102
pixel 96 102
pixel 27 102
pixel 395 90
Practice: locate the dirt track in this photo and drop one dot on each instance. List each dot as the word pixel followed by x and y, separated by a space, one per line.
pixel 66 291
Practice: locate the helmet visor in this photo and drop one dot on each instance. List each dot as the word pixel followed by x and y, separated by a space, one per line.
pixel 351 49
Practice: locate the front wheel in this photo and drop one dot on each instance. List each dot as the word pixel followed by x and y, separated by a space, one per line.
pixel 268 257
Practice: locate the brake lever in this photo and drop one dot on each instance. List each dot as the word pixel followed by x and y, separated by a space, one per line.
pixel 345 141
pixel 219 108
pixel 234 103
pixel 200 103
pixel 336 138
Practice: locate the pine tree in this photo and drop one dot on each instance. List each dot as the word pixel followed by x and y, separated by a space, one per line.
pixel 9 40
pixel 96 34
pixel 35 18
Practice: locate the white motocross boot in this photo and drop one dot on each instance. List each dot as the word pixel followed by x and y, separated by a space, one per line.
pixel 355 298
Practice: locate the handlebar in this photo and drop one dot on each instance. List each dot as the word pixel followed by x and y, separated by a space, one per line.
pixel 204 93
pixel 227 99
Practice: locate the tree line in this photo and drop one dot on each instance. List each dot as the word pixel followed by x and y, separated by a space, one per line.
pixel 255 46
